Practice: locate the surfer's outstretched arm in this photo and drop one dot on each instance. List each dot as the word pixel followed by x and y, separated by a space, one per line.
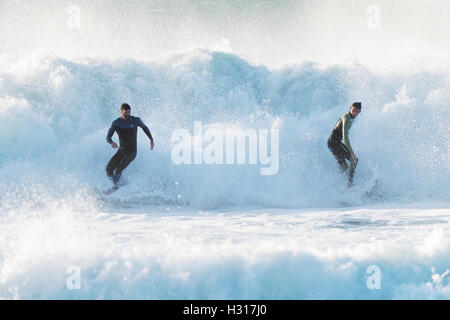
pixel 346 125
pixel 111 132
pixel 141 124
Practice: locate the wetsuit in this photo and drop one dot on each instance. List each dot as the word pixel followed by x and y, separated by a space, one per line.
pixel 127 131
pixel 342 151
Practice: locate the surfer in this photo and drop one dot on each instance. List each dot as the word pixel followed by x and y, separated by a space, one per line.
pixel 342 151
pixel 126 128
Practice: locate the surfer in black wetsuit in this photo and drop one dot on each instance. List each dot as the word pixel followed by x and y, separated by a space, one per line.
pixel 342 151
pixel 126 128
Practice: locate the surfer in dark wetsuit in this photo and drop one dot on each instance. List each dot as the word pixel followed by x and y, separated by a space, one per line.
pixel 342 151
pixel 126 128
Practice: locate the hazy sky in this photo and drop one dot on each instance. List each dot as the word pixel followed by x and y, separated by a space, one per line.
pixel 379 34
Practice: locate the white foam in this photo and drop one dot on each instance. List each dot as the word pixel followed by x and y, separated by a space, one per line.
pixel 257 254
pixel 54 115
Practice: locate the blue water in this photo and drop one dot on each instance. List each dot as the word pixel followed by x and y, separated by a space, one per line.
pixel 56 112
pixel 221 231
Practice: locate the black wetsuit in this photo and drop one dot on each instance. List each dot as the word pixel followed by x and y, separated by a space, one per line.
pixel 127 131
pixel 342 151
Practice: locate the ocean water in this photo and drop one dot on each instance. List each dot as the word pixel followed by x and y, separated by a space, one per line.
pixel 223 231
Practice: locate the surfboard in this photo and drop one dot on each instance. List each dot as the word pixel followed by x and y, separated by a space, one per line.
pixel 372 190
pixel 111 190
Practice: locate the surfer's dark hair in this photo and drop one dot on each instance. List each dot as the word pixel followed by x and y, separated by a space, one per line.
pixel 356 105
pixel 125 106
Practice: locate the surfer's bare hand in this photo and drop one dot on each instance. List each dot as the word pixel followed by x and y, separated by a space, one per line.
pixel 355 159
pixel 114 145
pixel 152 144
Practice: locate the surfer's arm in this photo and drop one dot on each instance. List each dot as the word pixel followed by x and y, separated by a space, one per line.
pixel 141 124
pixel 346 124
pixel 111 132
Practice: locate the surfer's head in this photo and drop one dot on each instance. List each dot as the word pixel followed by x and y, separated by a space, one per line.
pixel 125 110
pixel 355 109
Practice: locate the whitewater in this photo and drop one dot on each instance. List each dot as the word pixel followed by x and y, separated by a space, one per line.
pixel 221 231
